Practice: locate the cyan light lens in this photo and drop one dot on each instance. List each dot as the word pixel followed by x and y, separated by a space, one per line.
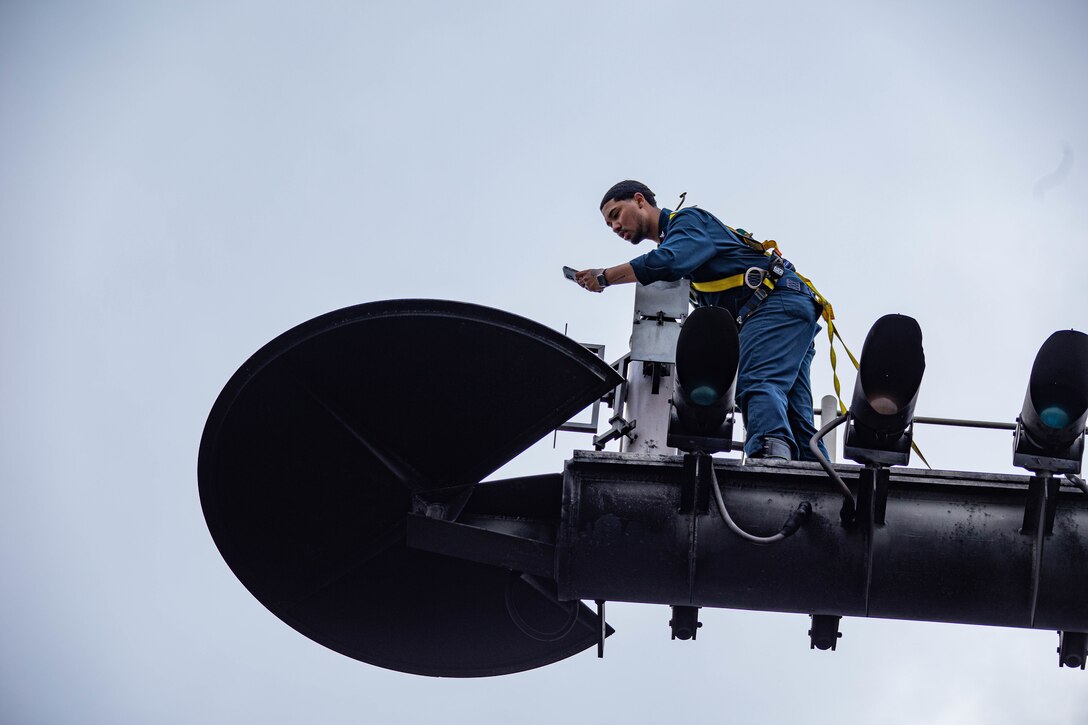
pixel 1054 417
pixel 704 395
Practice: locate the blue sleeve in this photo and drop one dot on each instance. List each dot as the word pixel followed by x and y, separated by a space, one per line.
pixel 687 246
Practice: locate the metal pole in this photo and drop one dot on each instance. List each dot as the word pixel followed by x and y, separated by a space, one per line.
pixel 829 410
pixel 965 423
pixel 659 310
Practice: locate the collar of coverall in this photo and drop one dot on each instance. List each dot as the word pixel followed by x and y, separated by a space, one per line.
pixel 663 224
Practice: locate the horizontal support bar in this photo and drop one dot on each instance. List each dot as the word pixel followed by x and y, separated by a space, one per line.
pixel 987 424
pixel 495 541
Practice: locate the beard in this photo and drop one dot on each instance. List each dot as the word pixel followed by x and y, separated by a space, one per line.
pixel 640 232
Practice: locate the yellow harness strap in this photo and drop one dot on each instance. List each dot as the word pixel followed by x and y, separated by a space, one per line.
pixel 832 333
pixel 726 283
pixel 770 247
pixel 737 280
pixel 828 314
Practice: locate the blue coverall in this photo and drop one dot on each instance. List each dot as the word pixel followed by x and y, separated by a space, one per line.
pixel 774 392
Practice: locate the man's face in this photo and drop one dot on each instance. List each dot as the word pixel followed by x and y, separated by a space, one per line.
pixel 629 218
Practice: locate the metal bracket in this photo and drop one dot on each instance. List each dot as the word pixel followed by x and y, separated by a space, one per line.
pixel 574 426
pixel 656 371
pixel 1026 455
pixel 619 428
pixel 497 541
pixel 1039 510
pixel 685 622
pixel 695 488
pixel 825 633
pixel 860 446
pixel 660 309
pixel 602 631
pixel 1072 649
pixel 872 494
pixel 1041 505
pixel 443 504
pixel 722 440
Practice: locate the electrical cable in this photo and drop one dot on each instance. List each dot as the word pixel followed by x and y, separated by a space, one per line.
pixel 1077 481
pixel 793 523
pixel 849 506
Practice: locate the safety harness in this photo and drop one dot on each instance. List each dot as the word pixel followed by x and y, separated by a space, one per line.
pixel 767 280
pixel 762 282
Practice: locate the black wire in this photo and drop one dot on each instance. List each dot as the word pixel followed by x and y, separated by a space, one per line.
pixel 795 521
pixel 849 506
pixel 1077 481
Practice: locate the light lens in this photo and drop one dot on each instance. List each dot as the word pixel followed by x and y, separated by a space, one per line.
pixel 704 395
pixel 884 405
pixel 1055 417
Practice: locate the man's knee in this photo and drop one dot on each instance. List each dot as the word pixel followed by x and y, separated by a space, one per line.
pixel 759 389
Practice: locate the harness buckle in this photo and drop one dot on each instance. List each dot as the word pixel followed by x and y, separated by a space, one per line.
pixel 776 269
pixel 753 277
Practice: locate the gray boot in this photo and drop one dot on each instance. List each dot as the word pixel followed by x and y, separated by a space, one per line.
pixel 774 451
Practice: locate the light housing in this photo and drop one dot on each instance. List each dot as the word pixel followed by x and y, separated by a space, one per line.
pixel 880 428
pixel 1050 428
pixel 707 356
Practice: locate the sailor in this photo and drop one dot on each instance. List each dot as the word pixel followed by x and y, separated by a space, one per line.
pixel 776 311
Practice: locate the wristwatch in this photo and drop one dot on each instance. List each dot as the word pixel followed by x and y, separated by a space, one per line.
pixel 601 280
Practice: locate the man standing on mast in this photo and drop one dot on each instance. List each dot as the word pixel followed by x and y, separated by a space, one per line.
pixel 777 314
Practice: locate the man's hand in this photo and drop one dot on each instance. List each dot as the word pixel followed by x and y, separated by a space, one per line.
pixel 587 278
pixel 620 274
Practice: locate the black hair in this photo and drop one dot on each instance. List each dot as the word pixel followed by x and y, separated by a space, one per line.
pixel 627 190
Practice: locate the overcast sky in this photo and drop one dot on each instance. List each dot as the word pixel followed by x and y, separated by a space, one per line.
pixel 181 182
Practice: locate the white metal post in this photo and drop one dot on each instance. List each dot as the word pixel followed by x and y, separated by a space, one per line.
pixel 660 308
pixel 829 410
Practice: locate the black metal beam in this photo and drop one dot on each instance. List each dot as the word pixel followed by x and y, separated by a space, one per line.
pixel 499 542
pixel 941 546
